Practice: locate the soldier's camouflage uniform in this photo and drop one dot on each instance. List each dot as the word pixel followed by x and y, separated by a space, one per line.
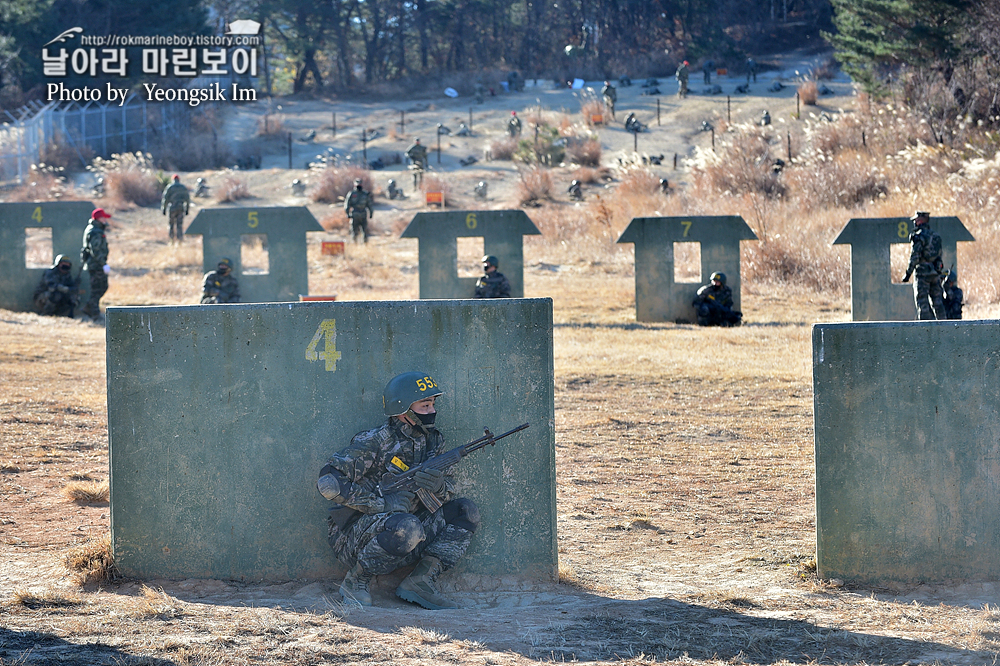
pixel 94 255
pixel 176 201
pixel 925 262
pixel 360 515
pixel 56 293
pixel 952 297
pixel 514 126
pixel 418 155
pixel 493 285
pixel 682 75
pixel 358 206
pixel 610 96
pixel 714 306
pixel 219 288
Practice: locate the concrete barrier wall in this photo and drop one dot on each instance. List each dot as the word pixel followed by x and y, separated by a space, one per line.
pixel 502 232
pixel 907 434
pixel 67 220
pixel 285 228
pixel 221 418
pixel 657 296
pixel 874 297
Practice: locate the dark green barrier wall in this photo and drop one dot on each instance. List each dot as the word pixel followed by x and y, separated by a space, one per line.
pixel 67 221
pixel 285 228
pixel 220 419
pixel 502 232
pixel 873 295
pixel 657 296
pixel 907 425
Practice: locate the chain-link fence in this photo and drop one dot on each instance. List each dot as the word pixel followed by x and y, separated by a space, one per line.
pixel 89 129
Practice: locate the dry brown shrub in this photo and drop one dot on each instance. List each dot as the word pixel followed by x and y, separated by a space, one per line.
pixel 60 153
pixel 87 492
pixel 93 562
pixel 270 125
pixel 43 186
pixel 639 181
pixel 742 164
pixel 336 222
pixel 845 181
pixel 590 175
pixel 502 149
pixel 808 92
pixel 232 190
pixel 591 108
pixel 129 179
pixel 585 152
pixel 535 185
pixel 47 599
pixel 334 183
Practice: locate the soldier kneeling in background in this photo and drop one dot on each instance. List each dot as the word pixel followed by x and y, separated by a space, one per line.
pixel 220 286
pixel 57 292
pixel 714 304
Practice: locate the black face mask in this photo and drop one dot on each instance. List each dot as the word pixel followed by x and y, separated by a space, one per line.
pixel 426 419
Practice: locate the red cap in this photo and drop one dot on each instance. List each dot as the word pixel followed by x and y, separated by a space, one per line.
pixel 513 113
pixel 176 177
pixel 685 62
pixel 100 214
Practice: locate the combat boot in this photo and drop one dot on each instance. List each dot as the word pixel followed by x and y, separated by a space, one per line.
pixel 419 587
pixel 354 589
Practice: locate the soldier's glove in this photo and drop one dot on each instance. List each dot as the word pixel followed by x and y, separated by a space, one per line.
pixel 431 480
pixel 399 501
pixel 906 278
pixel 62 288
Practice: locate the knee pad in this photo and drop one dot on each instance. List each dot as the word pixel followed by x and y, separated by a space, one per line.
pixel 400 534
pixel 462 513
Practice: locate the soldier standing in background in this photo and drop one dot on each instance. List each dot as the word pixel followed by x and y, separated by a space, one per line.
pixel 493 284
pixel 417 154
pixel 358 206
pixel 94 257
pixel 706 69
pixel 925 260
pixel 751 70
pixel 220 286
pixel 610 96
pixel 57 292
pixel 682 79
pixel 177 200
pixel 514 125
pixel 373 534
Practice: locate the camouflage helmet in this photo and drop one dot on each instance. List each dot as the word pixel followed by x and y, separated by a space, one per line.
pixel 357 183
pixel 490 260
pixel 227 262
pixel 62 258
pixel 405 389
pixel 920 215
pixel 952 276
pixel 721 277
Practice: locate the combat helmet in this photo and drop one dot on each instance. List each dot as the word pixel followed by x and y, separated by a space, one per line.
pixel 405 389
pixel 60 259
pixel 357 183
pixel 490 260
pixel 721 277
pixel 227 262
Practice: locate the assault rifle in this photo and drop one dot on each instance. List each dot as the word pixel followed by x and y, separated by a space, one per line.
pixel 405 479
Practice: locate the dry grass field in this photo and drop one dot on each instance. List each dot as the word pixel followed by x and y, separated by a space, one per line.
pixel 684 456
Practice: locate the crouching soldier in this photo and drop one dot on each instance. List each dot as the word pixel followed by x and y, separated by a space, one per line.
pixel 374 535
pixel 714 304
pixel 219 285
pixel 57 294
